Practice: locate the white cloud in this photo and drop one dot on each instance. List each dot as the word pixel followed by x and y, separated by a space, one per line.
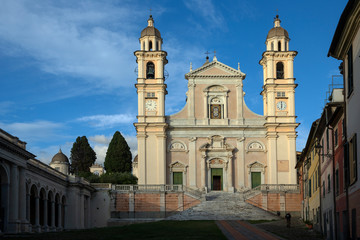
pixel 108 121
pixel 100 139
pixel 33 131
pixel 88 39
pixel 100 153
pixel 207 10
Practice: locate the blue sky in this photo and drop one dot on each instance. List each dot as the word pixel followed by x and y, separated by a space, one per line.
pixel 67 67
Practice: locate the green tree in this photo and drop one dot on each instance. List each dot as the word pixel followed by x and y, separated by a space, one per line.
pixel 118 156
pixel 82 156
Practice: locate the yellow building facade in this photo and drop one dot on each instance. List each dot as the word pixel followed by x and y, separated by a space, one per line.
pixel 216 142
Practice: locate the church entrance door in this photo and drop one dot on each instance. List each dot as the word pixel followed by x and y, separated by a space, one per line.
pixel 255 179
pixel 216 179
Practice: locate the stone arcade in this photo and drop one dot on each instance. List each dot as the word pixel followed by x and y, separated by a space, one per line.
pixel 216 142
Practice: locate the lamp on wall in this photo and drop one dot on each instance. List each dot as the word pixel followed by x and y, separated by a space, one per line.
pixel 319 148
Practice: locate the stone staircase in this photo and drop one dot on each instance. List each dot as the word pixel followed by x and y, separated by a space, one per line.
pixel 223 206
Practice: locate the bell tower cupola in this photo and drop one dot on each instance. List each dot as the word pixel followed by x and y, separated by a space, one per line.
pixel 150 39
pixel 277 38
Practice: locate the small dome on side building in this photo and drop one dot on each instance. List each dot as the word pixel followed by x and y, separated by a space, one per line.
pixel 60 162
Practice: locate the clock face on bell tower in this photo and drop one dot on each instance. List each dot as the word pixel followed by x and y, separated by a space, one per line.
pixel 150 105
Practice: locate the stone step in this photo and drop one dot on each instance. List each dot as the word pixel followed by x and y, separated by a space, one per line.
pixel 223 206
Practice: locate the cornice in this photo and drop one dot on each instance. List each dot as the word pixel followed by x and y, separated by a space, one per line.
pixel 236 73
pixel 11 147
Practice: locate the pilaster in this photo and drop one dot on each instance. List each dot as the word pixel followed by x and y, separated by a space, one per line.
pixel 192 162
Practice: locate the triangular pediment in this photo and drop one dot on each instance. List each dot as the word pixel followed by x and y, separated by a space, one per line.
pixel 215 69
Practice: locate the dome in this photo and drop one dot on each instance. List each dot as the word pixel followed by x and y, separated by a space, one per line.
pixel 136 159
pixel 277 32
pixel 150 30
pixel 60 158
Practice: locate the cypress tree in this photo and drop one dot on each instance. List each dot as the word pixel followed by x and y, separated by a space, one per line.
pixel 118 156
pixel 82 155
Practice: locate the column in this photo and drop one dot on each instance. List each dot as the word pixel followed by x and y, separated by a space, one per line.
pixel 292 158
pixel 291 103
pixel 208 177
pixel 23 200
pixel 80 224
pixel 272 158
pixel 203 173
pixel 142 157
pixel 192 162
pixel 45 213
pixel 161 140
pixel 230 175
pixel 65 225
pixel 191 101
pixel 52 214
pixel 240 109
pixel 37 212
pixel 88 212
pixel 59 215
pixel 28 207
pixel 160 69
pixel 206 108
pixel 241 162
pixel 271 102
pixel 282 44
pixel 14 200
pixel 226 101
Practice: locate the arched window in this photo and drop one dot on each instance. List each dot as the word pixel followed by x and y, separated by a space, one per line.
pixel 279 70
pixel 272 46
pixel 279 46
pixel 150 46
pixel 150 70
pixel 216 109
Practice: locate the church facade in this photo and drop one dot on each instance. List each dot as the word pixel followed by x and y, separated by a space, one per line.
pixel 216 142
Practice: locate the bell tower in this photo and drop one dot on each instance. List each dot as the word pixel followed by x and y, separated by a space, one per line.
pixel 151 91
pixel 279 105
